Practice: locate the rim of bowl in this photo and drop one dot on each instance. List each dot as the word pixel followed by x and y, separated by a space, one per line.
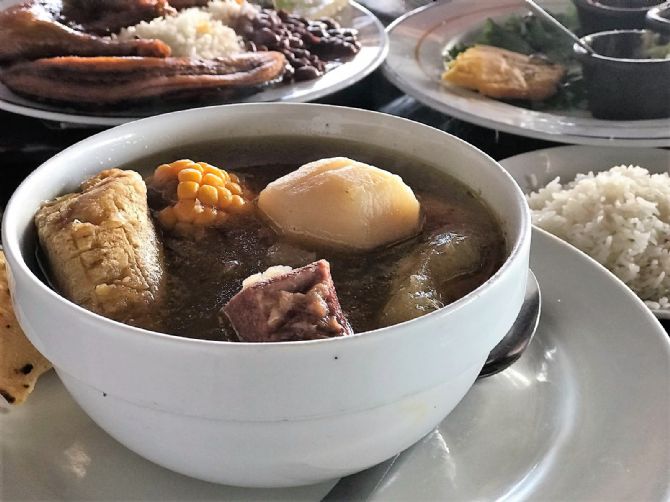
pixel 16 260
pixel 596 5
pixel 581 52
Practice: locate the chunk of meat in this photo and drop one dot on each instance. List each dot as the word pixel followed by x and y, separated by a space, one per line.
pixel 297 305
pixel 31 31
pixel 186 4
pixel 101 81
pixel 421 282
pixel 102 248
pixel 103 17
pixel 504 74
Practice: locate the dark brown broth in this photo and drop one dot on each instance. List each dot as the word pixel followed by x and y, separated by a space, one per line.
pixel 203 275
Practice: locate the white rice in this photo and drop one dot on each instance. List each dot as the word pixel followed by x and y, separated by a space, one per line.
pixel 198 33
pixel 621 218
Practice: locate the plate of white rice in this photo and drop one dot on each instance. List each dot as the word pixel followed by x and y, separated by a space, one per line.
pixel 612 203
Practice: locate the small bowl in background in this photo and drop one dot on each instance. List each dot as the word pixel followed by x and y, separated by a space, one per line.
pixel 604 15
pixel 658 18
pixel 621 84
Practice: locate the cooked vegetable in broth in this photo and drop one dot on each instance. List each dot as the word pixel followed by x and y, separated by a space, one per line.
pixel 449 248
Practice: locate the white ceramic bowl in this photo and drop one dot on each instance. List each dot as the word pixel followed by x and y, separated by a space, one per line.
pixel 276 414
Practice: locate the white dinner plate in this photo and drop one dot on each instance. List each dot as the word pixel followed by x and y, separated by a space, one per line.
pixel 373 51
pixel 415 64
pixel 584 415
pixel 535 169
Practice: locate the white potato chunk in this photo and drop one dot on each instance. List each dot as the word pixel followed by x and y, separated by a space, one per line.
pixel 342 203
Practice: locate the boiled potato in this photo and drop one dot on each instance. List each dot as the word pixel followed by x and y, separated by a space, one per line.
pixel 343 203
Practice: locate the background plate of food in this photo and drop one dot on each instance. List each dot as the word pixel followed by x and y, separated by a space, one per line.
pixel 611 203
pixel 105 63
pixel 433 58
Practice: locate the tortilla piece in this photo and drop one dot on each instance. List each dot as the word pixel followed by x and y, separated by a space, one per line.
pixel 20 363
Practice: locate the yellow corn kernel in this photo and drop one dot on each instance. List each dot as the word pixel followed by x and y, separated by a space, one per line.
pixel 187 190
pixel 197 167
pixel 224 197
pixel 207 217
pixel 167 218
pixel 234 178
pixel 190 174
pixel 212 179
pixel 163 173
pixel 208 195
pixel 234 188
pixel 178 165
pixel 187 210
pixel 236 203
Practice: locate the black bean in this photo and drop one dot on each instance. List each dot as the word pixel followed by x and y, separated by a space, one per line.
pixel 262 48
pixel 316 31
pixel 330 23
pixel 307 73
pixel 267 37
pixel 295 42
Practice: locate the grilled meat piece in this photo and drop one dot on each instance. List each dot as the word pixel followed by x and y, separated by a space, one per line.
pixel 300 304
pixel 103 17
pixel 185 4
pixel 32 30
pixel 102 248
pixel 504 74
pixel 112 80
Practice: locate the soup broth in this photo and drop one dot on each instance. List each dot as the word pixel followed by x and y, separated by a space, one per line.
pixel 203 274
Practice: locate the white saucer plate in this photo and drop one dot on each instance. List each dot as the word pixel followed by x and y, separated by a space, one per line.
pixel 415 64
pixel 584 415
pixel 535 169
pixel 374 49
pixel 50 450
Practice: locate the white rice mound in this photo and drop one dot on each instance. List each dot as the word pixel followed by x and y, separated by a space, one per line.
pixel 621 218
pixel 194 32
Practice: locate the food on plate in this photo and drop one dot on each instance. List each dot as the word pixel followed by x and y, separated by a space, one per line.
pixel 99 81
pixel 197 33
pixel 309 46
pixel 20 363
pixel 30 31
pixel 500 73
pixel 342 203
pixel 105 54
pixel 286 305
pixel 418 285
pixel 197 196
pixel 253 270
pixel 102 249
pixel 541 43
pixel 621 218
pixel 103 17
